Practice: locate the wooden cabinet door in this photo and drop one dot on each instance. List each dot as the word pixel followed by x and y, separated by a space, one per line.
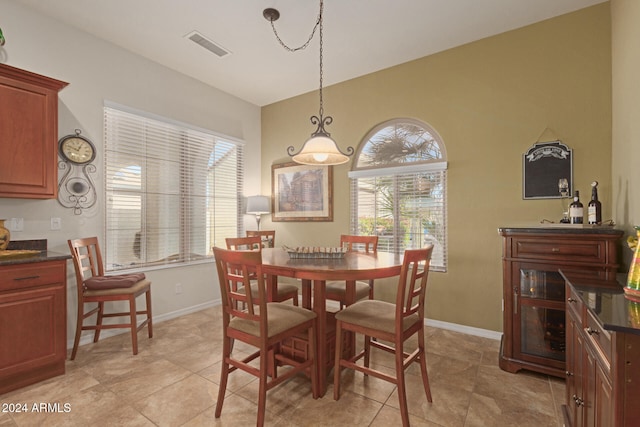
pixel 28 134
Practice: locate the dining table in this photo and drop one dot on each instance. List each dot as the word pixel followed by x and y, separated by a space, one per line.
pixel 314 272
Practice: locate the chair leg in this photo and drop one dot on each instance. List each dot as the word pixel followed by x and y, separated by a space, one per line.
pixel 338 357
pixel 314 366
pixel 262 392
pixel 367 351
pixel 423 365
pixel 79 324
pixel 134 324
pixel 96 335
pixel 149 317
pixel 224 374
pixel 402 389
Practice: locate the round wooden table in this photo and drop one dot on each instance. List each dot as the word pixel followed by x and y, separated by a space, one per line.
pixel 314 272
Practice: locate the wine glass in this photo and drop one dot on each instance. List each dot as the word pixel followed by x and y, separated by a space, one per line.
pixel 563 189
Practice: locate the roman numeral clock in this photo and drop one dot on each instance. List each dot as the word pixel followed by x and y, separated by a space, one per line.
pixel 76 189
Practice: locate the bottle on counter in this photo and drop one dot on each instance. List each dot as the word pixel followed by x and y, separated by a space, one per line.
pixel 594 208
pixel 576 210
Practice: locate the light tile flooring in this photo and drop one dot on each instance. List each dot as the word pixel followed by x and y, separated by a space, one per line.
pixel 173 381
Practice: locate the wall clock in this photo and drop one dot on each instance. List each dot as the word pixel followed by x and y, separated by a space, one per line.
pixel 76 189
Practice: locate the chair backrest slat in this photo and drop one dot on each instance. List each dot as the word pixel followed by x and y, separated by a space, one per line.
pixel 243 243
pixel 268 237
pixel 236 269
pixel 412 283
pixel 86 257
pixel 354 242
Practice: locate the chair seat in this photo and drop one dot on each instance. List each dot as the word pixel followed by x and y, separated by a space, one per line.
pixel 283 289
pixel 280 317
pixel 374 314
pixel 339 288
pixel 119 291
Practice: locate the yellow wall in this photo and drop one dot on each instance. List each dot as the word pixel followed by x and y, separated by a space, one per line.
pixel 625 15
pixel 490 101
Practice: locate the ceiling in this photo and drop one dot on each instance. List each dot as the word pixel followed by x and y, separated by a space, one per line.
pixel 360 36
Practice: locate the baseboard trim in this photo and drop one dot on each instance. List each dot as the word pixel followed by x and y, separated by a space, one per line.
pixel 469 330
pixel 88 338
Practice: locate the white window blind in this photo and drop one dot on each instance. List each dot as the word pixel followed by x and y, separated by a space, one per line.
pixel 172 191
pixel 398 189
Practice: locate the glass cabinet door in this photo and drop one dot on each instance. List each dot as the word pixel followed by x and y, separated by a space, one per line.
pixel 539 316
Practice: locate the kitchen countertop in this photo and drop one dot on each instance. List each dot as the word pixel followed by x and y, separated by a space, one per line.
pixel 42 255
pixel 606 300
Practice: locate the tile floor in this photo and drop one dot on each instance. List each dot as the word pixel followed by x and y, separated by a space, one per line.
pixel 173 381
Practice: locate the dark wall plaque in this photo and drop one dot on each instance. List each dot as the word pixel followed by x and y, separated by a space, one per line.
pixel 543 166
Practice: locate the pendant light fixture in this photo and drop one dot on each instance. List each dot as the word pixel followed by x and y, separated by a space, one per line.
pixel 320 148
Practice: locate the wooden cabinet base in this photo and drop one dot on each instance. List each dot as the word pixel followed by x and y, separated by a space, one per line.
pixel 33 322
pixel 514 365
pixel 23 379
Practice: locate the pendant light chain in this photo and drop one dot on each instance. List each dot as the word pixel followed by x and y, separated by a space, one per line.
pixel 320 149
pixel 305 44
pixel 320 20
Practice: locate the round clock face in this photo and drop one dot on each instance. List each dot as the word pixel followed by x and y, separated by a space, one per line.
pixel 77 149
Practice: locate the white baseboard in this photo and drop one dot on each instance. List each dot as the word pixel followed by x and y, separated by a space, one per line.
pixel 469 330
pixel 88 338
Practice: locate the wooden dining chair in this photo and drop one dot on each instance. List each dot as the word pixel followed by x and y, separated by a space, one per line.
pixel 268 237
pixel 393 323
pixel 337 290
pixel 261 324
pixel 94 287
pixel 284 291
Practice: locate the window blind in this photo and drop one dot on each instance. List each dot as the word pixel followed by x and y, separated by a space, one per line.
pixel 406 210
pixel 172 191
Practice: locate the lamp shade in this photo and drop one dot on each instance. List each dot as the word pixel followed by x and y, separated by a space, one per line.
pixel 320 149
pixel 258 205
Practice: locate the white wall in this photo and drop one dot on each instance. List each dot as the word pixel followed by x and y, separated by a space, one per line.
pixel 97 71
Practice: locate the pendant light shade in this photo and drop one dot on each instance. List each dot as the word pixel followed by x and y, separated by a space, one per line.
pixel 320 150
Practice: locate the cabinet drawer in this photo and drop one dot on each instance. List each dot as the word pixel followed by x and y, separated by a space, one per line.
pixel 31 274
pixel 587 251
pixel 600 337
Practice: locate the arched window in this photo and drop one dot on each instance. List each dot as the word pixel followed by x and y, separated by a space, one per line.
pixel 399 188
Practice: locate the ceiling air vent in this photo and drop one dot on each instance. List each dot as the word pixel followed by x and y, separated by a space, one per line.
pixel 212 47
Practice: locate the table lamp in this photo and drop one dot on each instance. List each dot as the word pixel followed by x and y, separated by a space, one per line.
pixel 258 206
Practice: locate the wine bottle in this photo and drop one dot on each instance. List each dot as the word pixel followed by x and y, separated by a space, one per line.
pixel 576 210
pixel 594 208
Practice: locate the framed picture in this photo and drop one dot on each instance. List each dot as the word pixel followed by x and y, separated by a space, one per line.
pixel 301 192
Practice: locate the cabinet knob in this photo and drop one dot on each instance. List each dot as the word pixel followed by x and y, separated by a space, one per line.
pixel 555 249
pixel 577 400
pixel 591 331
pixel 568 374
pixel 571 300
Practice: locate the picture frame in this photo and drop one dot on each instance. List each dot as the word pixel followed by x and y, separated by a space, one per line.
pixel 301 192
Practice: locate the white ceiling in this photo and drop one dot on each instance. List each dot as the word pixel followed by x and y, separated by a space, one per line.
pixel 360 36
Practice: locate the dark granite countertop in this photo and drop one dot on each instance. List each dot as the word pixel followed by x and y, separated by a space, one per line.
pixel 562 229
pixel 605 299
pixel 42 255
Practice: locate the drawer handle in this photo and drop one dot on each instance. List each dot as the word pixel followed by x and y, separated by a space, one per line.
pixel 568 374
pixel 555 249
pixel 26 278
pixel 579 402
pixel 591 331
pixel 571 300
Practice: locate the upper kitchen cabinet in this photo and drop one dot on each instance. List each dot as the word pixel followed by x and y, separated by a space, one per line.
pixel 28 134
